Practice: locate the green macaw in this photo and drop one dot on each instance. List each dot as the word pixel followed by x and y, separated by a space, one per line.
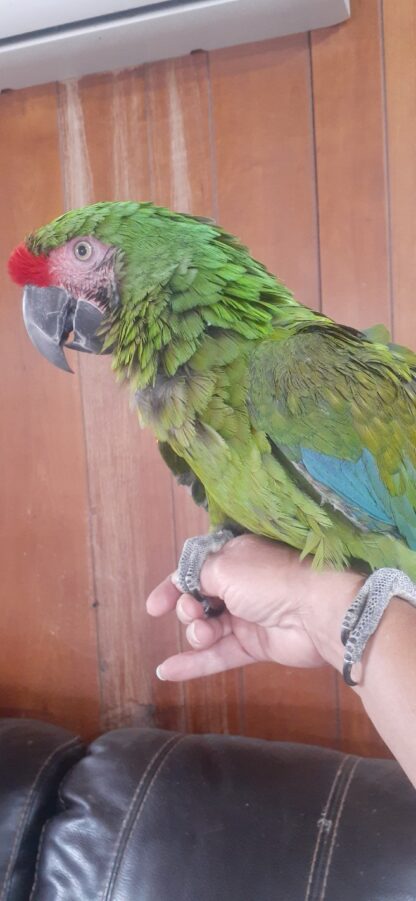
pixel 283 422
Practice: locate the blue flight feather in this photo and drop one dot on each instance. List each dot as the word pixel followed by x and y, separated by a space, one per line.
pixel 357 482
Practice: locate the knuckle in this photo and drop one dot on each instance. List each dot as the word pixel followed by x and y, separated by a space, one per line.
pixel 244 543
pixel 216 565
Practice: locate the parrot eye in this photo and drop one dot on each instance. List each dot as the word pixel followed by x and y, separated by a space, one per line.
pixel 83 250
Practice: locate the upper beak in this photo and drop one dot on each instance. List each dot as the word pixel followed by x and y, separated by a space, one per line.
pixel 51 315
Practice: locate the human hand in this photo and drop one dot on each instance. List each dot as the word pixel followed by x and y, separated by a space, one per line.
pixel 277 609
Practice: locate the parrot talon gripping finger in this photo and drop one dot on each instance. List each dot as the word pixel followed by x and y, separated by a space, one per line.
pixel 194 553
pixel 364 614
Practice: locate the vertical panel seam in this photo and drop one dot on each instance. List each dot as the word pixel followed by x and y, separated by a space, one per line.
pixel 386 162
pixel 315 169
pixel 212 142
pixel 240 676
pixel 337 712
pixel 91 555
pixel 150 149
pixel 150 153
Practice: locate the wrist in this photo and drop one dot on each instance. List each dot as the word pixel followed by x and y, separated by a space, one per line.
pixel 390 649
pixel 329 596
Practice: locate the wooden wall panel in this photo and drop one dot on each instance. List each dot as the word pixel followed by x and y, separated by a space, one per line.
pixel 353 226
pixel 48 664
pixel 351 175
pixel 400 86
pixel 180 145
pixel 265 165
pixel 303 147
pixel 130 487
pixel 261 101
pixel 178 133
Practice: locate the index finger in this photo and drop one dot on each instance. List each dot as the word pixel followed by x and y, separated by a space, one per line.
pixel 163 598
pixel 225 654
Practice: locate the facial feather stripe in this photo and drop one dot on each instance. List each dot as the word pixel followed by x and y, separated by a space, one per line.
pixel 27 268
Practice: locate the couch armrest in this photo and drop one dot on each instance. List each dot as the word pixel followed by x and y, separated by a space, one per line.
pixel 34 757
pixel 157 816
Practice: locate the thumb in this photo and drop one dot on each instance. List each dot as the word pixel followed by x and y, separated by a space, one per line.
pixel 221 569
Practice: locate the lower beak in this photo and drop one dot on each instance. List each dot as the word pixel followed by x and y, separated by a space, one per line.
pixel 51 315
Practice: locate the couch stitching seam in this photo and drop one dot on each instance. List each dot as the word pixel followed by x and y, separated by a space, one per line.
pixel 129 821
pixel 321 832
pixel 336 826
pixel 38 856
pixel 26 809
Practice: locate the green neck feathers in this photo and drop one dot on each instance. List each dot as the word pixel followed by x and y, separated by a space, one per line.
pixel 183 280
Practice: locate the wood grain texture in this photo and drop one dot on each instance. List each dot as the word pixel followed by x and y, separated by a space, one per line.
pixel 129 485
pixel 180 166
pixel 262 123
pixel 180 148
pixel 261 102
pixel 400 87
pixel 351 187
pixel 48 661
pixel 350 152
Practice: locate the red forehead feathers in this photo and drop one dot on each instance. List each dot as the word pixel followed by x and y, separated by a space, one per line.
pixel 26 268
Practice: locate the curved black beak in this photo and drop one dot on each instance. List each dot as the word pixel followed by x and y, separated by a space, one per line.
pixel 51 315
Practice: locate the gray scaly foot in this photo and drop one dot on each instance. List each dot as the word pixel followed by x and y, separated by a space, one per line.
pixel 194 553
pixel 364 614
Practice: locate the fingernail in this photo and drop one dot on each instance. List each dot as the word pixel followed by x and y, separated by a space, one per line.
pixel 183 614
pixel 192 634
pixel 174 579
pixel 159 674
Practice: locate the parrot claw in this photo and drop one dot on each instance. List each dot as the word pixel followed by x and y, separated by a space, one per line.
pixel 364 614
pixel 194 553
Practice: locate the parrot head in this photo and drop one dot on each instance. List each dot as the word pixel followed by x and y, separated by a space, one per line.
pixel 91 271
pixel 66 293
pixel 72 271
pixel 141 282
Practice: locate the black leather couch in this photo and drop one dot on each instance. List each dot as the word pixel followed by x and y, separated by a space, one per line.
pixel 157 816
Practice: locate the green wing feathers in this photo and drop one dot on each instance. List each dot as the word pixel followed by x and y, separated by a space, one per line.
pixel 341 410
